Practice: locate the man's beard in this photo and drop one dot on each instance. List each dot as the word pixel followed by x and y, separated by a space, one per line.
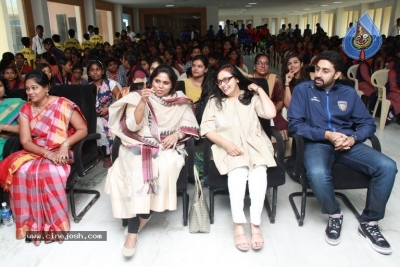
pixel 323 85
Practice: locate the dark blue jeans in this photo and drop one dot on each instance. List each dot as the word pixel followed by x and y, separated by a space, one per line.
pixel 318 161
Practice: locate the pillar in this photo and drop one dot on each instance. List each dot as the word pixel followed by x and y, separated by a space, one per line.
pixel 212 18
pixel 90 12
pixel 118 17
pixel 41 16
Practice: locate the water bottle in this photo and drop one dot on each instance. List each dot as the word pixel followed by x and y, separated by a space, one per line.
pixel 6 215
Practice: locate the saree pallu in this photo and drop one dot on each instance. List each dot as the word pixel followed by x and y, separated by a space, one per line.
pixel 9 110
pixel 37 186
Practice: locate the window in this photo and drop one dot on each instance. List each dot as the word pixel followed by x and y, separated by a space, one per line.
pixel 331 24
pixel 273 26
pixel 386 21
pixel 305 22
pixel 378 17
pixel 62 18
pixel 12 26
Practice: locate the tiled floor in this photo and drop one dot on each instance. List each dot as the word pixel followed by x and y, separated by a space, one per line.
pixel 166 242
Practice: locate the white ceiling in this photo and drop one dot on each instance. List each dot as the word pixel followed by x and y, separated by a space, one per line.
pixel 263 7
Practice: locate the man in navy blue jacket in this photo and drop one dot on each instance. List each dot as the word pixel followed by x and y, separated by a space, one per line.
pixel 334 124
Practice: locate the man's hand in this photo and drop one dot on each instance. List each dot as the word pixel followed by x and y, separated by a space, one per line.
pixel 339 140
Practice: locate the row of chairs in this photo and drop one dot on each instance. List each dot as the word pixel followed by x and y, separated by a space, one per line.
pixel 378 79
pixel 86 157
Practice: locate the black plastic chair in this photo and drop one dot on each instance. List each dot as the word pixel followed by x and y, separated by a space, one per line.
pixel 343 177
pixel 275 175
pixel 85 151
pixel 181 183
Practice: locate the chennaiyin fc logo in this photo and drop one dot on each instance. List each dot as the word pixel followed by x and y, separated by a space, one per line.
pixel 363 39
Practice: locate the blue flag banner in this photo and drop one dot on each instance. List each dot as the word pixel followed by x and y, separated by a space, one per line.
pixel 363 40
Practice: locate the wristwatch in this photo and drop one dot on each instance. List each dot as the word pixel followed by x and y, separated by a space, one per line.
pixel 355 138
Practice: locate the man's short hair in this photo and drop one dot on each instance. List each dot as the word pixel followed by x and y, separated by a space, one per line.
pixel 39 26
pixel 56 38
pixel 26 41
pixel 71 33
pixel 333 57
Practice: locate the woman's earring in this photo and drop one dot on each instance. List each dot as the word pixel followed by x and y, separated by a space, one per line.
pixel 47 92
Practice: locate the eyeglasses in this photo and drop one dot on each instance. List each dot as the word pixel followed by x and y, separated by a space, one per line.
pixel 225 80
pixel 260 63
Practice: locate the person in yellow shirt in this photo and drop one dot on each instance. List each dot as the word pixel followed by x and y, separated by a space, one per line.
pixel 86 43
pixel 57 40
pixel 96 38
pixel 194 81
pixel 72 42
pixel 27 51
pixel 117 39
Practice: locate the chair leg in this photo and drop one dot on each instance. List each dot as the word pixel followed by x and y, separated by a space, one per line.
pixel 211 205
pixel 384 112
pixel 72 192
pixel 185 198
pixel 304 194
pixel 376 107
pixel 272 212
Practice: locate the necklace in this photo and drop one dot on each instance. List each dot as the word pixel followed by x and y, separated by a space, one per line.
pixel 38 109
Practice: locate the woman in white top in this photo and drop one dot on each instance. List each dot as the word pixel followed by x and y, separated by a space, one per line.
pixel 241 148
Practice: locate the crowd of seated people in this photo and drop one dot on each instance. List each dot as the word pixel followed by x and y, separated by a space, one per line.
pixel 156 59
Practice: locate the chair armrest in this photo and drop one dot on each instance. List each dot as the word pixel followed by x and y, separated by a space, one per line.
pixel 280 146
pixel 298 147
pixel 78 150
pixel 189 146
pixel 206 156
pixel 375 143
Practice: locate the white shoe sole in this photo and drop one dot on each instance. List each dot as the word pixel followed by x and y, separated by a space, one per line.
pixel 386 251
pixel 332 242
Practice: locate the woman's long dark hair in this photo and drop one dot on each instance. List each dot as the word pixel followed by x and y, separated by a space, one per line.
pixel 164 68
pixel 245 98
pixel 294 81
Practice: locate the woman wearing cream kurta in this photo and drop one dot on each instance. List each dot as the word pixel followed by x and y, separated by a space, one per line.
pixel 152 124
pixel 241 148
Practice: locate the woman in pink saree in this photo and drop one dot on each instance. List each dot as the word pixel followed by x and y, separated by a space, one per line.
pixel 37 175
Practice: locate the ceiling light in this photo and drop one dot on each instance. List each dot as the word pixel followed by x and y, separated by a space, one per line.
pixel 306 9
pixel 323 5
pixel 169 5
pixel 252 3
pixel 295 11
pixel 248 6
pixel 337 2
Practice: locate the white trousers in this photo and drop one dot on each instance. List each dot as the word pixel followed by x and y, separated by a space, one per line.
pixel 237 179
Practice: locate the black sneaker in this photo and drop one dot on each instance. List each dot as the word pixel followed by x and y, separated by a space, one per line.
pixel 373 235
pixel 332 231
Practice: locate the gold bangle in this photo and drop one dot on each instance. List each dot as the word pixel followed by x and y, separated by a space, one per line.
pixel 287 85
pixel 66 145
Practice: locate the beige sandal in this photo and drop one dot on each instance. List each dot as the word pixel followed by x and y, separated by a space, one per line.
pixel 257 240
pixel 242 243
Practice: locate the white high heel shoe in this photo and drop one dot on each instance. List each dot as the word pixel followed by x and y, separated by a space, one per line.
pixel 129 252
